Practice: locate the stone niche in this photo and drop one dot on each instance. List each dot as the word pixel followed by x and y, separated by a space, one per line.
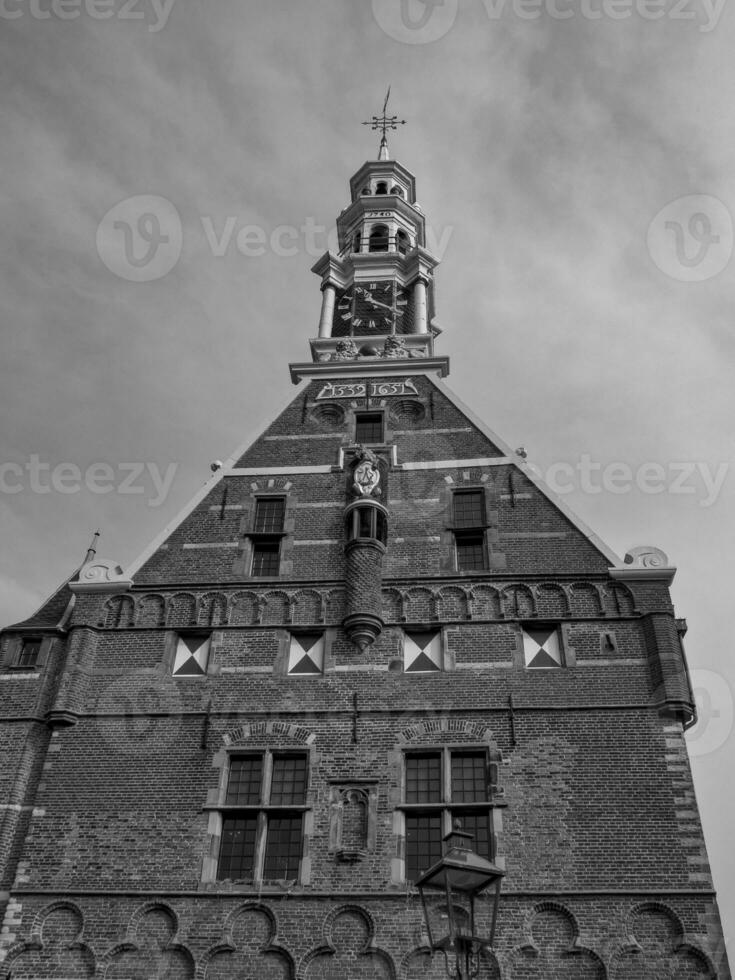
pixel 352 820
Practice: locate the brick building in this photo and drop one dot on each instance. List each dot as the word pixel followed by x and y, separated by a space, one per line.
pixel 234 759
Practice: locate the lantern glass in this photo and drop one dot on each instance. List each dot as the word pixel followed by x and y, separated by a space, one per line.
pixel 460 875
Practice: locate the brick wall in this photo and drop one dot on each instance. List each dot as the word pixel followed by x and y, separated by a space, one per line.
pixel 111 863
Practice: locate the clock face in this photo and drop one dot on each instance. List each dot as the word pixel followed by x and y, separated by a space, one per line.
pixel 370 308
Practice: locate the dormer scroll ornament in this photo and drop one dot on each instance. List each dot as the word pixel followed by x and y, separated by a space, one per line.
pixel 100 575
pixel 646 556
pixel 367 474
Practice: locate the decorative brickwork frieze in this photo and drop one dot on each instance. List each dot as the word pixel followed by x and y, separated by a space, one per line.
pixel 311 604
pixel 348 950
pixel 658 947
pixel 151 948
pixel 553 948
pixel 55 948
pixel 248 948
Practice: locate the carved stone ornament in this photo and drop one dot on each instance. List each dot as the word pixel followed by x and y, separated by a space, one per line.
pixel 396 347
pixel 100 575
pixel 646 556
pixel 367 474
pixel 345 351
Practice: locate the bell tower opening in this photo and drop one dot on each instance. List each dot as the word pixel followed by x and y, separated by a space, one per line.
pixel 379 239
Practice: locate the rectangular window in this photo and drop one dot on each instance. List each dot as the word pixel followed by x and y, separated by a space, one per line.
pixel 269 515
pixel 423 778
pixel 262 817
pixel 246 775
pixel 283 847
pixel 267 531
pixel 266 558
pixel 29 654
pixel 477 824
pixel 423 843
pixel 237 852
pixel 368 427
pixel 289 780
pixel 470 552
pixel 469 778
pixel 443 786
pixel 469 508
pixel 469 522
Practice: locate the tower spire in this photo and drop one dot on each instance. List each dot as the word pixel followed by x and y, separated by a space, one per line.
pixel 384 122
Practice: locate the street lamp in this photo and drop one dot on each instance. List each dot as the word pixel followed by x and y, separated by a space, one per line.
pixel 460 874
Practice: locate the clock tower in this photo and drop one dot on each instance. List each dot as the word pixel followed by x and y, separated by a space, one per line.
pixel 377 291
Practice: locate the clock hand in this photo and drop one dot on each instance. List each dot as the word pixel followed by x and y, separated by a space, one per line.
pixel 376 302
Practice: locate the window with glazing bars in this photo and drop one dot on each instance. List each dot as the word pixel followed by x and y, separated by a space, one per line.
pixel 29 653
pixel 269 515
pixel 468 515
pixel 263 814
pixel 266 558
pixel 470 552
pixel 469 508
pixel 368 427
pixel 441 787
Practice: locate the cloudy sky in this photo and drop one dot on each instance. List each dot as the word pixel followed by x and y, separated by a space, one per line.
pixel 574 159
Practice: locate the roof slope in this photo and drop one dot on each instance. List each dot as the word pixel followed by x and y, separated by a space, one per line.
pixel 438 443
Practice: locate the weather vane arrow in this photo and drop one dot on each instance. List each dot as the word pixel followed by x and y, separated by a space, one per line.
pixel 384 122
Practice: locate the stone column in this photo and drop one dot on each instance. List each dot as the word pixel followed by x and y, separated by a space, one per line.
pixel 325 320
pixel 419 307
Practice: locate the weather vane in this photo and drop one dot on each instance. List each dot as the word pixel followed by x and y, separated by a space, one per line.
pixel 384 122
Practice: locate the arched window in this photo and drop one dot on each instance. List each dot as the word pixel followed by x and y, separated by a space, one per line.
pixel 381 187
pixel 402 242
pixel 379 239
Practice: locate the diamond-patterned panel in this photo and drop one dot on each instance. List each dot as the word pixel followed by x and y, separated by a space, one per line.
pixel 541 647
pixel 192 655
pixel 422 651
pixel 306 653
